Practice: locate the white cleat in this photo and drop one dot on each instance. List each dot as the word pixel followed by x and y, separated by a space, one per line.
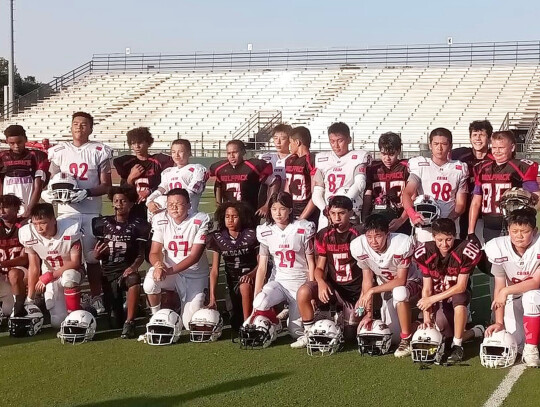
pixel 530 355
pixel 300 343
pixel 283 314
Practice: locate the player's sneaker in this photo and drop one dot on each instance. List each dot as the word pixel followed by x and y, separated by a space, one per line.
pixel 530 355
pixel 283 314
pixel 97 303
pixel 300 343
pixel 128 332
pixel 456 355
pixel 404 348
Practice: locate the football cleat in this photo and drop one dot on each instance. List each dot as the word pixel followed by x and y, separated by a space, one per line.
pixel 206 325
pixel 456 356
pixel 530 355
pixel 128 331
pixel 375 341
pixel 301 342
pixel 404 348
pixel 498 350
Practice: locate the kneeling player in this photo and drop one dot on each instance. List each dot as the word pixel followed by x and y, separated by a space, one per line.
pixel 387 256
pixel 177 256
pixel 56 245
pixel 121 244
pixel 341 285
pixel 516 298
pixel 446 264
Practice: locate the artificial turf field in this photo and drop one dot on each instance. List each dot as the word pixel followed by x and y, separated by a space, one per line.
pixel 109 371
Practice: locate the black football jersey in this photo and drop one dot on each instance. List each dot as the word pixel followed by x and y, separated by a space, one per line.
pixel 243 182
pixel 23 165
pixel 153 167
pixel 10 246
pixel 299 172
pixel 124 241
pixel 444 271
pixel 387 184
pixel 343 273
pixel 240 254
pixel 466 155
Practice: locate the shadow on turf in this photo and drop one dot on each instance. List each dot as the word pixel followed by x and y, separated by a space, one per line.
pixel 167 401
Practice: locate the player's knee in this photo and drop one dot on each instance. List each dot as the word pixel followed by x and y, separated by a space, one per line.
pixel 15 276
pixel 400 294
pixel 150 286
pixel 531 303
pixel 70 278
pixel 304 294
pixel 132 280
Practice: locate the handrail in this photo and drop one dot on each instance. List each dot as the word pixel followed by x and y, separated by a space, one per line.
pixel 260 121
pixel 532 130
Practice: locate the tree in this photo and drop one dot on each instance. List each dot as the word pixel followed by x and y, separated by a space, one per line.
pixel 22 86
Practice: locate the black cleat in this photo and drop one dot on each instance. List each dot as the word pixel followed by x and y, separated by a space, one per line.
pixel 456 356
pixel 128 332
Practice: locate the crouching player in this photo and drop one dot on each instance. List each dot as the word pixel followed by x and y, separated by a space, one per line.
pixel 56 245
pixel 121 243
pixel 177 256
pixel 516 298
pixel 446 264
pixel 387 256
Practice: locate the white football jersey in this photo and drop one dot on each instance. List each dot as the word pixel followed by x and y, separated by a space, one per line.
pixel 288 248
pixel 53 252
pixel 506 262
pixel 178 240
pixel 85 163
pixel 385 266
pixel 278 166
pixel 441 183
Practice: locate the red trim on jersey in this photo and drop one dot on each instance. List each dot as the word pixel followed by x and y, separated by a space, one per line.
pixel 197 222
pixel 301 231
pixel 517 170
pixel 219 168
pixel 67 237
pixel 456 257
pixel 250 165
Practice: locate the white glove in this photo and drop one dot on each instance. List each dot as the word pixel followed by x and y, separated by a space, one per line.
pixel 79 195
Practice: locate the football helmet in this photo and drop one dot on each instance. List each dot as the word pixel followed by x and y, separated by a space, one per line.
pixel 164 328
pixel 205 326
pixel 427 345
pixel 29 325
pixel 375 341
pixel 324 337
pixel 498 350
pixel 516 198
pixel 62 187
pixel 78 327
pixel 426 206
pixel 258 331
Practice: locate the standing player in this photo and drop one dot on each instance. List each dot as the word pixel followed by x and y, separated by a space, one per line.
pixel 386 257
pixel 341 283
pixel 240 180
pixel 90 163
pixel 54 254
pixel 385 182
pixel 13 259
pixel 191 177
pixel 480 132
pixel 177 256
pixel 493 178
pixel 446 264
pixel 281 137
pixel 23 171
pixel 236 241
pixel 442 179
pixel 299 168
pixel 141 170
pixel 290 243
pixel 516 299
pixel 121 245
pixel 339 172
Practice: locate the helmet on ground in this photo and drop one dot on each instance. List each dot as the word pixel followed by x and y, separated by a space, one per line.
pixel 376 340
pixel 205 325
pixel 324 337
pixel 498 350
pixel 257 332
pixel 164 328
pixel 427 345
pixel 78 327
pixel 28 325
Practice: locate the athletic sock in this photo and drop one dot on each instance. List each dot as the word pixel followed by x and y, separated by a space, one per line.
pixel 457 342
pixel 307 325
pixel 155 309
pixel 532 329
pixel 404 335
pixel 72 297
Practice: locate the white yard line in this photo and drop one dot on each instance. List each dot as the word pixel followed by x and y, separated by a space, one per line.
pixel 504 389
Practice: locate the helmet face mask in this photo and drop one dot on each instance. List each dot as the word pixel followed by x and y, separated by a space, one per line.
pixel 324 338
pixel 62 187
pixel 164 328
pixel 206 326
pixel 428 208
pixel 78 327
pixel 498 351
pixel 29 325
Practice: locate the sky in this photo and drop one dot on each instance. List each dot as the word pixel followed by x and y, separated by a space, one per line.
pixel 53 37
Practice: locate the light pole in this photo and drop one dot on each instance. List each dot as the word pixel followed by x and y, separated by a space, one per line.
pixel 11 66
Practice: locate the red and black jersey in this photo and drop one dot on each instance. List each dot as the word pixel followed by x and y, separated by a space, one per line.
pixel 10 246
pixel 124 241
pixel 444 271
pixel 153 166
pixel 386 184
pixel 26 164
pixel 243 182
pixel 466 155
pixel 299 171
pixel 343 273
pixel 492 180
pixel 239 255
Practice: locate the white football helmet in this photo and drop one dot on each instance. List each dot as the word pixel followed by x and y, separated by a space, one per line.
pixel 61 188
pixel 29 325
pixel 427 346
pixel 325 337
pixel 375 341
pixel 516 198
pixel 78 327
pixel 498 350
pixel 426 206
pixel 205 325
pixel 164 328
pixel 257 332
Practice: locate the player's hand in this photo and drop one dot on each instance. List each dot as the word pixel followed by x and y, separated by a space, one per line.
pixel 426 325
pixel 248 278
pixel 262 211
pixel 100 250
pixel 40 287
pixel 25 214
pixel 128 271
pixel 490 330
pixel 143 194
pixel 499 300
pixel 79 195
pixel 136 171
pixel 212 303
pixel 153 207
pixel 425 304
pixel 325 292
pixel 418 220
pixel 395 224
pixel 365 299
pixel 366 322
pixel 471 237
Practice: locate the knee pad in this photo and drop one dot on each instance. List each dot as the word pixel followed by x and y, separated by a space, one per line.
pixel 70 278
pixel 150 286
pixel 132 280
pixel 400 294
pixel 531 303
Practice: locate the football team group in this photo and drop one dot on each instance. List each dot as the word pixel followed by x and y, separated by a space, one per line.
pixel 375 251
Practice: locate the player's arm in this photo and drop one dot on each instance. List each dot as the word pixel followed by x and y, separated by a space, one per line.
pixel 407 197
pixel 272 189
pixel 218 193
pixel 461 204
pixel 105 181
pixel 54 169
pixel 74 261
pixel 427 291
pixel 359 183
pixel 214 273
pixel 156 194
pixel 399 280
pixel 474 212
pixel 34 266
pixel 500 284
pixel 134 267
pixel 156 253
pixel 533 283
pixel 363 301
pixel 318 191
pixel 195 254
pixel 260 276
pixel 35 196
pixel 458 288
pixel 20 260
pixel 366 204
pixel 308 210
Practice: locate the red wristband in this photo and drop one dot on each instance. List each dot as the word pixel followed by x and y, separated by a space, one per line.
pixel 46 278
pixel 411 212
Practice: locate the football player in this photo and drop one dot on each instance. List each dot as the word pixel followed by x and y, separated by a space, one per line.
pixel 236 241
pixel 177 255
pixel 339 172
pixel 446 264
pixel 90 163
pixel 516 299
pixel 387 256
pixel 290 244
pixel 385 182
pixel 439 177
pixel 141 170
pixel 480 132
pixel 191 177
pixel 299 168
pixel 337 277
pixel 121 245
pixel 240 180
pixel 13 259
pixel 23 171
pixel 54 254
pixel 493 178
pixel 281 137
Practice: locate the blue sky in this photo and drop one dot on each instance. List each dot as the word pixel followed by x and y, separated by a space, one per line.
pixel 55 36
